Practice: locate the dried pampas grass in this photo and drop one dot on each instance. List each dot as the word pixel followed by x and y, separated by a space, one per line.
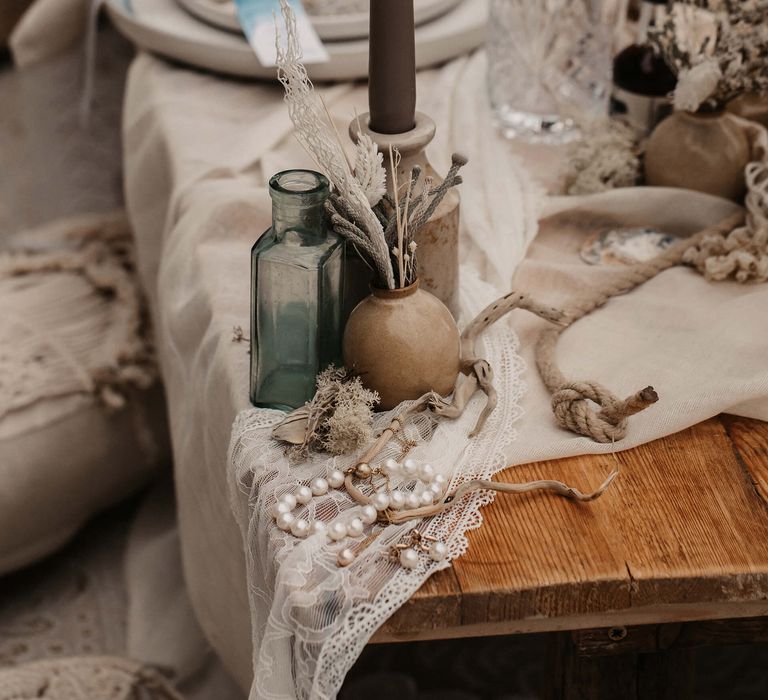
pixel 318 137
pixel 369 169
pixel 379 226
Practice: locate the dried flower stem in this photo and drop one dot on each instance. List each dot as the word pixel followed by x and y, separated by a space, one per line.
pixel 394 156
pixel 558 487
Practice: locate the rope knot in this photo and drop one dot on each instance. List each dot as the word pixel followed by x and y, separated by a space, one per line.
pixel 570 404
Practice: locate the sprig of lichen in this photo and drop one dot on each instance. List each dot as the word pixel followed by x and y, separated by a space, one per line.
pixel 339 418
pixel 605 158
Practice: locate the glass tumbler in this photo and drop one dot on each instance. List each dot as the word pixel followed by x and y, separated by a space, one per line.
pixel 549 66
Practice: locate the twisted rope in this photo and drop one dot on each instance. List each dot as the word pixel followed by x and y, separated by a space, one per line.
pixel 573 401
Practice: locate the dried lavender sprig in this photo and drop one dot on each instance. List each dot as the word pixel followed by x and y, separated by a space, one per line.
pixel 420 203
pixel 390 228
pixel 457 162
pixel 349 230
pixel 425 204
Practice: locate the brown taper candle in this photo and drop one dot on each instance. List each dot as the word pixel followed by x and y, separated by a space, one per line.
pixel 392 67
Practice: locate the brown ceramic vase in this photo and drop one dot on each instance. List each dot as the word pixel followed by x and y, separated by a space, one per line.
pixel 403 343
pixel 703 152
pixel 750 106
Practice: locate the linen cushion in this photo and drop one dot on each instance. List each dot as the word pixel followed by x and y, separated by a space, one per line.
pixel 81 412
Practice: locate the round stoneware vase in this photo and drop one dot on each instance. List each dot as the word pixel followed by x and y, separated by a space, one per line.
pixel 703 152
pixel 403 343
pixel 750 106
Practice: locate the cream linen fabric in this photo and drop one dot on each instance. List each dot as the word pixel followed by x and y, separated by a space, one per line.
pixel 702 345
pixel 47 28
pixel 198 153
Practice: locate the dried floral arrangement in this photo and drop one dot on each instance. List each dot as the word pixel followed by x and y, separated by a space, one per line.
pixel 380 226
pixel 337 420
pixel 718 48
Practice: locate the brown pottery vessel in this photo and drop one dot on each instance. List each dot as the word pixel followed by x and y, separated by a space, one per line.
pixel 403 343
pixel 750 106
pixel 703 152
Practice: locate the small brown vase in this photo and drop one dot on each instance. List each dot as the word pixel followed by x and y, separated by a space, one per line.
pixel 403 343
pixel 703 152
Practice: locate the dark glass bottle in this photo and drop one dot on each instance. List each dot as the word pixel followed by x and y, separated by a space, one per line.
pixel 642 78
pixel 297 293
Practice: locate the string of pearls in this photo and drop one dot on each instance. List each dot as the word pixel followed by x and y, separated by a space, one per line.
pixel 407 553
pixel 426 487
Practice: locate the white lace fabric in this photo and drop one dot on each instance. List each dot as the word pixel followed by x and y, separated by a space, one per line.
pixel 310 617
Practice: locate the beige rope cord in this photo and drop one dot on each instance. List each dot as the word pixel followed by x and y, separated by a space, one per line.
pixel 572 400
pixel 736 248
pixel 728 245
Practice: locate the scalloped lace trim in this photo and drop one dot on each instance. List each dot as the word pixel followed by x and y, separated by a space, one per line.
pixel 310 618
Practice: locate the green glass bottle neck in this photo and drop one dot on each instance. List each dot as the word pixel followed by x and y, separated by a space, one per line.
pixel 298 205
pixel 308 221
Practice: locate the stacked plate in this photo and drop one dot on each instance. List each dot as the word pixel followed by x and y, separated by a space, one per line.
pixel 206 34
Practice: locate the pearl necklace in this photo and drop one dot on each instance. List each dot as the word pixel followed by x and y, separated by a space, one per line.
pixel 428 488
pixel 387 505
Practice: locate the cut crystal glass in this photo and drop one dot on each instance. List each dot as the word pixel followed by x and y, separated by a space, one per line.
pixel 549 66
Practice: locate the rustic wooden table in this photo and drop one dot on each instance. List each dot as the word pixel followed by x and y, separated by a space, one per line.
pixel 673 556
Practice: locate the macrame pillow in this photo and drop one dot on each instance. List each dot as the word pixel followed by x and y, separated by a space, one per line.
pixel 84 678
pixel 81 415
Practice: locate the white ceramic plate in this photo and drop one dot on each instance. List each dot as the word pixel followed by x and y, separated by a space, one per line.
pixel 163 27
pixel 222 14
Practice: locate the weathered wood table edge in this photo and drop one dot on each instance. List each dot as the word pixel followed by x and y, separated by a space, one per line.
pixel 673 557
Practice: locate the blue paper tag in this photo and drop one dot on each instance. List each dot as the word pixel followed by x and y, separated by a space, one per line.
pixel 257 18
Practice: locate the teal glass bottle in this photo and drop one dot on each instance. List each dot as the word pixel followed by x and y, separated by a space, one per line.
pixel 297 304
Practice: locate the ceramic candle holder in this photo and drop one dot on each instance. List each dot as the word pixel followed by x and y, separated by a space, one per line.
pixel 438 239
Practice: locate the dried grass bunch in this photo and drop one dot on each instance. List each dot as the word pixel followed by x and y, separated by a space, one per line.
pixel 401 214
pixel 338 419
pixel 381 227
pixel 719 49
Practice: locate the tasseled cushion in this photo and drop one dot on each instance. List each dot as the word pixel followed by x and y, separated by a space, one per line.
pixel 81 412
